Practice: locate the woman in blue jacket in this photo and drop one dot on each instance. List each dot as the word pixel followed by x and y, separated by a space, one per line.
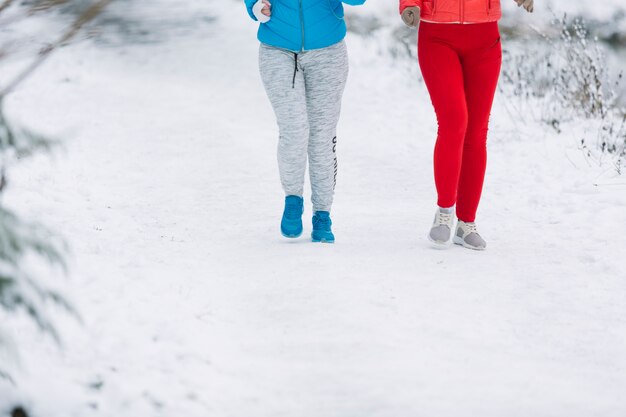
pixel 304 67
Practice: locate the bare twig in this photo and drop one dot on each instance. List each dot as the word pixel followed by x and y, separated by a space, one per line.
pixel 87 16
pixel 5 4
pixel 46 4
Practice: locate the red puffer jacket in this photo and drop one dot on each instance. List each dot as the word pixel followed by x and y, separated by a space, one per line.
pixel 456 11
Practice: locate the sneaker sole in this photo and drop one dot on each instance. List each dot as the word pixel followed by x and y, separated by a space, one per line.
pixel 439 245
pixel 330 242
pixel 322 240
pixel 461 242
pixel 291 236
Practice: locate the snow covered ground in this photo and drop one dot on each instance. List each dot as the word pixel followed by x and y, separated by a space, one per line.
pixel 544 9
pixel 193 304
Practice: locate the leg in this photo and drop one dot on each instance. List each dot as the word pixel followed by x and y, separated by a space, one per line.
pixel 325 73
pixel 443 75
pixel 481 69
pixel 289 103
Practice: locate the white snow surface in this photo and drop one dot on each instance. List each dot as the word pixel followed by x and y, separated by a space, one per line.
pixel 192 304
pixel 605 9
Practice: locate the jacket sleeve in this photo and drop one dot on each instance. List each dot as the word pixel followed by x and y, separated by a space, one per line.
pixel 249 4
pixel 409 3
pixel 354 2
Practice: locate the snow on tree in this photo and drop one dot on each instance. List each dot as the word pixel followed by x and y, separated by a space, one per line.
pixel 22 241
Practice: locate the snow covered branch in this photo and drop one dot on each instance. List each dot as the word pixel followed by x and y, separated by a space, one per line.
pixel 22 242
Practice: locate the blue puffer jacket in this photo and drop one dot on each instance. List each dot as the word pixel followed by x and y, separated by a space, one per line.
pixel 302 25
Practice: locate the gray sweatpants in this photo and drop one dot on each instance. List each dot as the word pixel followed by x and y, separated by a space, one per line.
pixel 307 103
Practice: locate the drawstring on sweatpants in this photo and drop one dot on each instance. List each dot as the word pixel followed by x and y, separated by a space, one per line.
pixel 295 71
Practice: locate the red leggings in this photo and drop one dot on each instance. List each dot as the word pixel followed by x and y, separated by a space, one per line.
pixel 461 67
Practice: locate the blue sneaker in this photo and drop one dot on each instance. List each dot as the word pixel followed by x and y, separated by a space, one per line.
pixel 321 228
pixel 291 224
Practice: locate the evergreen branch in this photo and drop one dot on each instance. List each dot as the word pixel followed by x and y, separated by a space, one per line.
pixel 22 293
pixel 17 239
pixel 22 142
pixel 3 181
pixel 6 376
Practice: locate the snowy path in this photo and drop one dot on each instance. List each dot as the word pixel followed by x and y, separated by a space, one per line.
pixel 193 304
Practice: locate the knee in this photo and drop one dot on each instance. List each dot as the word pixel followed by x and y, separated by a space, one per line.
pixel 476 137
pixel 322 135
pixel 293 134
pixel 453 124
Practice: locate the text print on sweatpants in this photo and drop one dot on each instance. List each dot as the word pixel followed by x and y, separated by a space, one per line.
pixel 305 90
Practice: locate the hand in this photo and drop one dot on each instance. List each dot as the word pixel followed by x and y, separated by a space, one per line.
pixel 262 10
pixel 527 4
pixel 267 8
pixel 411 16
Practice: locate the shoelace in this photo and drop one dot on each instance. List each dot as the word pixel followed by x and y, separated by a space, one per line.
pixel 444 219
pixel 322 221
pixel 470 228
pixel 293 211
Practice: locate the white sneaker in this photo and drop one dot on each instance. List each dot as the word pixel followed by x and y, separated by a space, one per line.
pixel 467 236
pixel 442 227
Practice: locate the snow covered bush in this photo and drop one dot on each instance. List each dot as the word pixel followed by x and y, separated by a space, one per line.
pixel 566 81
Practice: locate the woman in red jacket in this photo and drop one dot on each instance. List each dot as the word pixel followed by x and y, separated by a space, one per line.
pixel 460 57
